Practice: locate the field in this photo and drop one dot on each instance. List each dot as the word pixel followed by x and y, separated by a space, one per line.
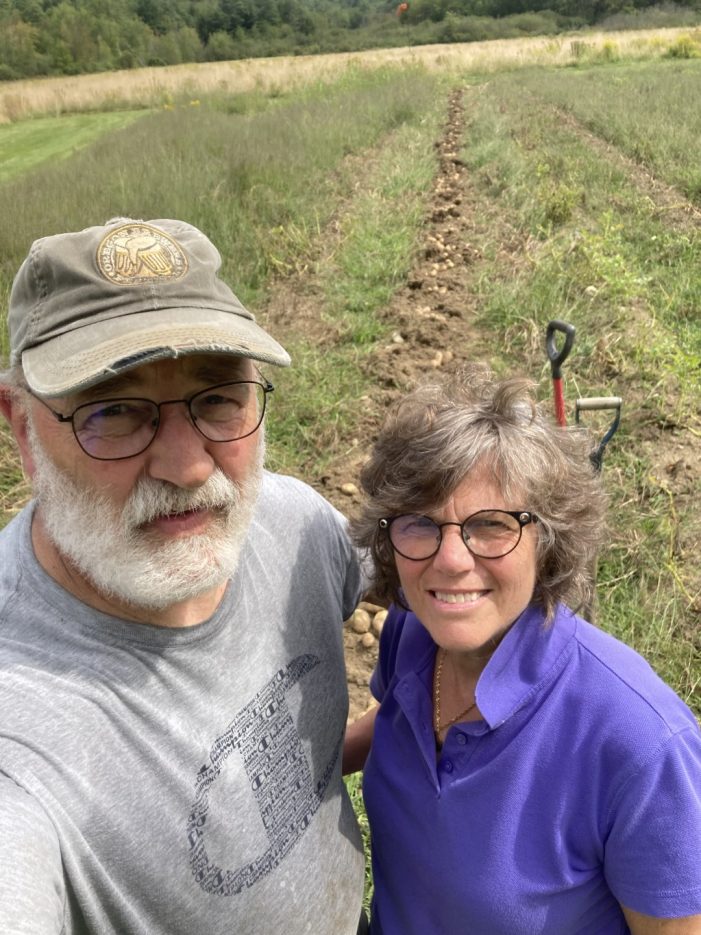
pixel 388 221
pixel 157 87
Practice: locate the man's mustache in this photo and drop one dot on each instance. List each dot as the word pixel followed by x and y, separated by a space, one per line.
pixel 153 498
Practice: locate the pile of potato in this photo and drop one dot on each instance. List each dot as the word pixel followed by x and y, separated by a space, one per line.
pixel 367 621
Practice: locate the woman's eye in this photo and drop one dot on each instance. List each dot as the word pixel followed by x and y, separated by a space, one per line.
pixel 418 525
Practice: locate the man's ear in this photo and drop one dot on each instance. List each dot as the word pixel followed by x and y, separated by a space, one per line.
pixel 14 411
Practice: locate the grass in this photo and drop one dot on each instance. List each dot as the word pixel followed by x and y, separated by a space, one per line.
pixel 621 104
pixel 378 235
pixel 26 145
pixel 355 791
pixel 595 248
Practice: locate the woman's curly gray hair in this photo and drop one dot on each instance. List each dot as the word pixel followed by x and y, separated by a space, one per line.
pixel 441 432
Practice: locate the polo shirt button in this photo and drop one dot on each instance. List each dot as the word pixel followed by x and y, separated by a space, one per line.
pixel 462 739
pixel 448 766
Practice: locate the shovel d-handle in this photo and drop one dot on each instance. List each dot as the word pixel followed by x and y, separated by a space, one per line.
pixel 557 356
pixel 600 402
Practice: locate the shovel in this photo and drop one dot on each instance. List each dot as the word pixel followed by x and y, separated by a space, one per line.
pixel 557 356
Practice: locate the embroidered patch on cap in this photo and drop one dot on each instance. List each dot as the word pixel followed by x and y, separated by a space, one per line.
pixel 136 253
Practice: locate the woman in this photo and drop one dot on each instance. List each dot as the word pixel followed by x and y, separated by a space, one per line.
pixel 528 773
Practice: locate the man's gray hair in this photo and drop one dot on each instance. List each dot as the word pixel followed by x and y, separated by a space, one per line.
pixel 441 432
pixel 12 379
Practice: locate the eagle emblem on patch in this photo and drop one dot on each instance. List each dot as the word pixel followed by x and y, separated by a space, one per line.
pixel 138 253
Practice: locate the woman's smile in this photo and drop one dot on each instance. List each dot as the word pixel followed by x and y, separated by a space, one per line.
pixel 466 602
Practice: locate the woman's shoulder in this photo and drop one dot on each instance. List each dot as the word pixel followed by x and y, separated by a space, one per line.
pixel 621 681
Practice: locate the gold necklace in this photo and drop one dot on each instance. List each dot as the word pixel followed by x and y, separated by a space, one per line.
pixel 437 726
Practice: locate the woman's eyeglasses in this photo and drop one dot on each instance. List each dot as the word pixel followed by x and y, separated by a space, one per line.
pixel 486 533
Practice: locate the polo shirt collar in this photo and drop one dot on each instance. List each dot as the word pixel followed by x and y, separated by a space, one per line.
pixel 528 657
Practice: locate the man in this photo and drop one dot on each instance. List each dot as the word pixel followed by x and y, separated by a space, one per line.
pixel 172 691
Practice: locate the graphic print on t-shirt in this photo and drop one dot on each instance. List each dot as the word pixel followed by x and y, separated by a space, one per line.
pixel 263 732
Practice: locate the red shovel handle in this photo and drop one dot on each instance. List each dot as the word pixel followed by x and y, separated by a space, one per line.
pixel 557 356
pixel 559 402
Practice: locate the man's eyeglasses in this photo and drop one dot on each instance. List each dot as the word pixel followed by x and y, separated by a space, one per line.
pixel 112 429
pixel 487 533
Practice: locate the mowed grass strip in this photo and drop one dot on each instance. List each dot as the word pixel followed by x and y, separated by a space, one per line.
pixel 28 144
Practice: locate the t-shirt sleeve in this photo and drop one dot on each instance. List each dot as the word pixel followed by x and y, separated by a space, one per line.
pixel 352 589
pixel 353 581
pixel 652 858
pixel 32 894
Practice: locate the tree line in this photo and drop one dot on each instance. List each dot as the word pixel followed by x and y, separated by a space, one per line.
pixel 54 37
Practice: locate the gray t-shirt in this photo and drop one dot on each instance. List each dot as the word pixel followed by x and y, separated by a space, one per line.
pixel 160 781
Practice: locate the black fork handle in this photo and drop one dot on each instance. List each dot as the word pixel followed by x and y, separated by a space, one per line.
pixel 557 356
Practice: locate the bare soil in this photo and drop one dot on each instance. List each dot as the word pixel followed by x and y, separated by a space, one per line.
pixel 430 321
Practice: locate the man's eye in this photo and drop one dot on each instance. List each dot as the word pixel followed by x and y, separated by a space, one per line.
pixel 217 399
pixel 117 417
pixel 113 411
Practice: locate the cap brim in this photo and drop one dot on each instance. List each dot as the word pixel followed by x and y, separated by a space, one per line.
pixel 78 359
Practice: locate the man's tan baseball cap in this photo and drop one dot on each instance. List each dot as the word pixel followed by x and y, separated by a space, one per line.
pixel 87 305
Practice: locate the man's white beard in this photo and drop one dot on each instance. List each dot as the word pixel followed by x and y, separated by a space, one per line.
pixel 110 548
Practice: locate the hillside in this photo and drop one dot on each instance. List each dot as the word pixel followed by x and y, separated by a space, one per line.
pixel 45 37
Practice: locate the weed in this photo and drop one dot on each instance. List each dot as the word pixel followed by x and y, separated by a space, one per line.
pixel 684 47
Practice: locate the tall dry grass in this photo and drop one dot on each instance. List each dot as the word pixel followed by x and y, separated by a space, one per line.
pixel 149 87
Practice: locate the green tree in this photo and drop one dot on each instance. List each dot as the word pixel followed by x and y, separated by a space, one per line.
pixel 220 47
pixel 156 14
pixel 209 18
pixel 18 49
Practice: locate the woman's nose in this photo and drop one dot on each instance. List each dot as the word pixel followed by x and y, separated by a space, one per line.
pixel 453 555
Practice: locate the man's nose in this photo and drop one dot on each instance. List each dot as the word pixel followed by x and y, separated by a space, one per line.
pixel 179 453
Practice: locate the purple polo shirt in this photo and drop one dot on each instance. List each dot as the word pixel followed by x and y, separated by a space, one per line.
pixel 580 789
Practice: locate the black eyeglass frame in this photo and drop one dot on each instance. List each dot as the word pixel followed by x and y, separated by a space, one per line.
pixel 522 517
pixel 266 385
